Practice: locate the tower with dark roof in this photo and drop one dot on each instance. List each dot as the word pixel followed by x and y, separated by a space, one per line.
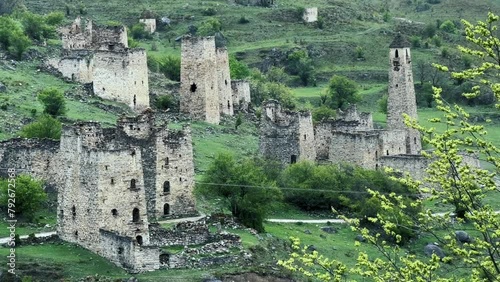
pixel 401 98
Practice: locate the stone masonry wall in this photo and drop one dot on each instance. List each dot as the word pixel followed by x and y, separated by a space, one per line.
pixel 150 24
pixel 282 134
pixel 415 165
pixel 175 174
pixel 123 77
pixel 355 148
pixel 199 97
pixel 241 94
pixel 402 96
pixel 36 157
pixel 310 15
pixel 224 82
pixel 77 66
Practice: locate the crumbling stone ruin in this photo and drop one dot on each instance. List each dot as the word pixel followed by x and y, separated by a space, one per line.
pixel 206 87
pixel 149 24
pixel 351 137
pixel 286 136
pixel 241 95
pixel 310 15
pixel 100 56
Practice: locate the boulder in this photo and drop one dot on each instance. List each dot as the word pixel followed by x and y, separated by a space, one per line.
pixel 311 248
pixel 329 229
pixel 360 238
pixel 307 231
pixel 463 237
pixel 3 88
pixel 430 249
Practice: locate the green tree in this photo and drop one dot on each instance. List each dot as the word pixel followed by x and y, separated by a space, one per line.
pixel 342 92
pixel 28 192
pixel 209 27
pixel 36 27
pixel 277 75
pixel 382 104
pixel 53 101
pixel 54 18
pixel 323 113
pixel 451 179
pixel 282 93
pixel 299 63
pixel 12 37
pixel 170 66
pixel 238 70
pixel 448 26
pixel 45 127
pixel 138 31
pixel 245 188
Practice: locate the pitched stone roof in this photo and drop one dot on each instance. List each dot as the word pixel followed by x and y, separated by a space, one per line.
pixel 400 42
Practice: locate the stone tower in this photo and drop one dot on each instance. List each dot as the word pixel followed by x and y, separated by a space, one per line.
pixel 286 136
pixel 199 89
pixel 401 98
pixel 224 82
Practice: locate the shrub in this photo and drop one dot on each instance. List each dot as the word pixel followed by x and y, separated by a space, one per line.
pixel 209 12
pixel 170 66
pixel 415 41
pixel 360 52
pixel 382 104
pixel 139 31
pixel 209 27
pixel 29 195
pixel 45 127
pixel 448 26
pixel 342 91
pixel 243 20
pixel 53 101
pixel 436 40
pixel 429 31
pixel 237 69
pixel 54 18
pixel 249 205
pixel 320 23
pixel 153 63
pixel 164 102
pixel 323 113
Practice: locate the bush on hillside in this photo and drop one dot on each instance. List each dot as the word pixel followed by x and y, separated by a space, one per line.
pixel 29 195
pixel 53 101
pixel 44 127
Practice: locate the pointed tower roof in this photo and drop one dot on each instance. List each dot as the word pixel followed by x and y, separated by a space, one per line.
pixel 400 42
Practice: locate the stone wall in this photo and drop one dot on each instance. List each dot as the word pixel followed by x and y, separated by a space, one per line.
pixel 149 24
pixel 77 66
pixel 241 94
pixel 199 96
pixel 224 82
pixel 262 3
pixel 36 157
pixel 126 253
pixel 358 148
pixel 310 15
pixel 123 77
pixel 286 136
pixel 184 234
pixel 415 165
pixel 84 34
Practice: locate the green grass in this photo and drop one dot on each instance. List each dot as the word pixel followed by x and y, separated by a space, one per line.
pixel 22 228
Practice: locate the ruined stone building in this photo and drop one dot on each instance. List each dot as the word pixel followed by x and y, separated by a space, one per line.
pixel 112 182
pixel 351 137
pixel 310 15
pixel 241 95
pixel 286 136
pixel 206 87
pixel 149 24
pixel 100 56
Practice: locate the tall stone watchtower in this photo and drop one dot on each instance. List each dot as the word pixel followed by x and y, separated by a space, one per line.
pixel 402 93
pixel 224 82
pixel 199 89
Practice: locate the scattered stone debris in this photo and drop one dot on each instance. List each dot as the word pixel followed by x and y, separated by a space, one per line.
pixel 329 229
